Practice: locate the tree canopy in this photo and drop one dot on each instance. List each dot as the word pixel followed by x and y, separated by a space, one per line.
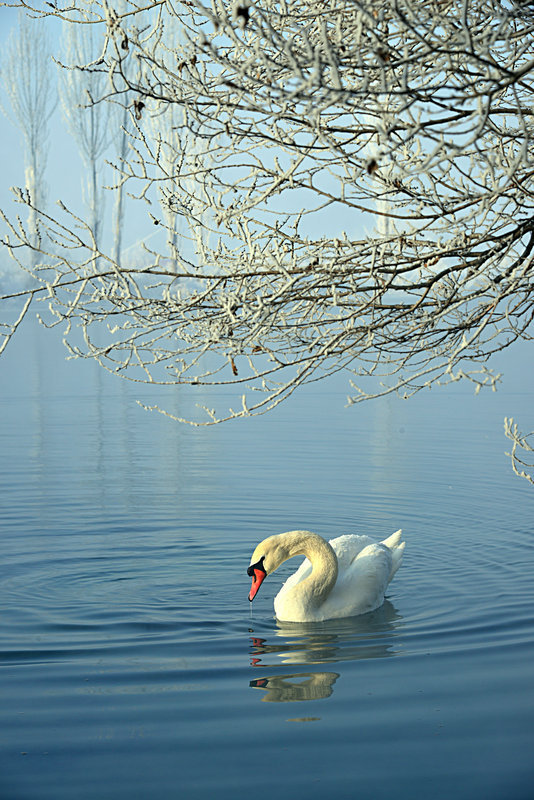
pixel 354 182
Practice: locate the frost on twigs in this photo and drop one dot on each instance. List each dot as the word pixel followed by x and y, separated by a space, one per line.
pixel 329 187
pixel 524 443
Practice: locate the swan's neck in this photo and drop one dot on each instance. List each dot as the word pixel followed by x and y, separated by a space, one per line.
pixel 320 582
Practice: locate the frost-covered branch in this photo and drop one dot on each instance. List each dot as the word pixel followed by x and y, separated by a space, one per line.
pixel 340 186
pixel 522 442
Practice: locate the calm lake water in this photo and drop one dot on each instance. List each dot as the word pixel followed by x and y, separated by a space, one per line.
pixel 131 664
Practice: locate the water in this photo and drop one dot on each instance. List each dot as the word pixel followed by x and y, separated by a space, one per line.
pixel 131 665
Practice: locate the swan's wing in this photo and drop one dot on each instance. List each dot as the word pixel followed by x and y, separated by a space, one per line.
pixel 394 540
pixel 365 568
pixel 361 585
pixel 348 547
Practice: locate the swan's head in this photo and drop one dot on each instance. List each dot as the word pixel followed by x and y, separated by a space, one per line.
pixel 267 557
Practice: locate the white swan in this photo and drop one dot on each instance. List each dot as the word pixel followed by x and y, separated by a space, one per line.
pixel 341 578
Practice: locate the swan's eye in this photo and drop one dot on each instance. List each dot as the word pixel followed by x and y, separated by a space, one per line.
pixel 257 565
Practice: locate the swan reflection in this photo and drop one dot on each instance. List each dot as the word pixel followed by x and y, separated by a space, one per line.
pixel 299 686
pixel 371 635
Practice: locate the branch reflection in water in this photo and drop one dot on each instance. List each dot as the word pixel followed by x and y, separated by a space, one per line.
pixel 369 636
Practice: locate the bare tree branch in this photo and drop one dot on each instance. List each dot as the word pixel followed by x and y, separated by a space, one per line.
pixel 342 186
pixel 523 442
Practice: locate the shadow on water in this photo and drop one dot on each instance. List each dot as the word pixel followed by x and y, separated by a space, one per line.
pixel 371 635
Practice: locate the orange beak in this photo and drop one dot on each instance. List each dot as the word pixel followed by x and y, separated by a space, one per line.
pixel 258 574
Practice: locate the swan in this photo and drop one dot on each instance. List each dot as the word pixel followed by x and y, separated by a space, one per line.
pixel 344 577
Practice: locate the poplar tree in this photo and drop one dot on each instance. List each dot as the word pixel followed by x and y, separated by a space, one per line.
pixel 83 82
pixel 28 80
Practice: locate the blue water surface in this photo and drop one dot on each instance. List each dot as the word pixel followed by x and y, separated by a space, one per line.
pixel 131 665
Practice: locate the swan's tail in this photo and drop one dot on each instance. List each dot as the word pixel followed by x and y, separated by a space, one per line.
pixel 396 546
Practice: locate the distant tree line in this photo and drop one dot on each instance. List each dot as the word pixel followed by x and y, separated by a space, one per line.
pixel 36 80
